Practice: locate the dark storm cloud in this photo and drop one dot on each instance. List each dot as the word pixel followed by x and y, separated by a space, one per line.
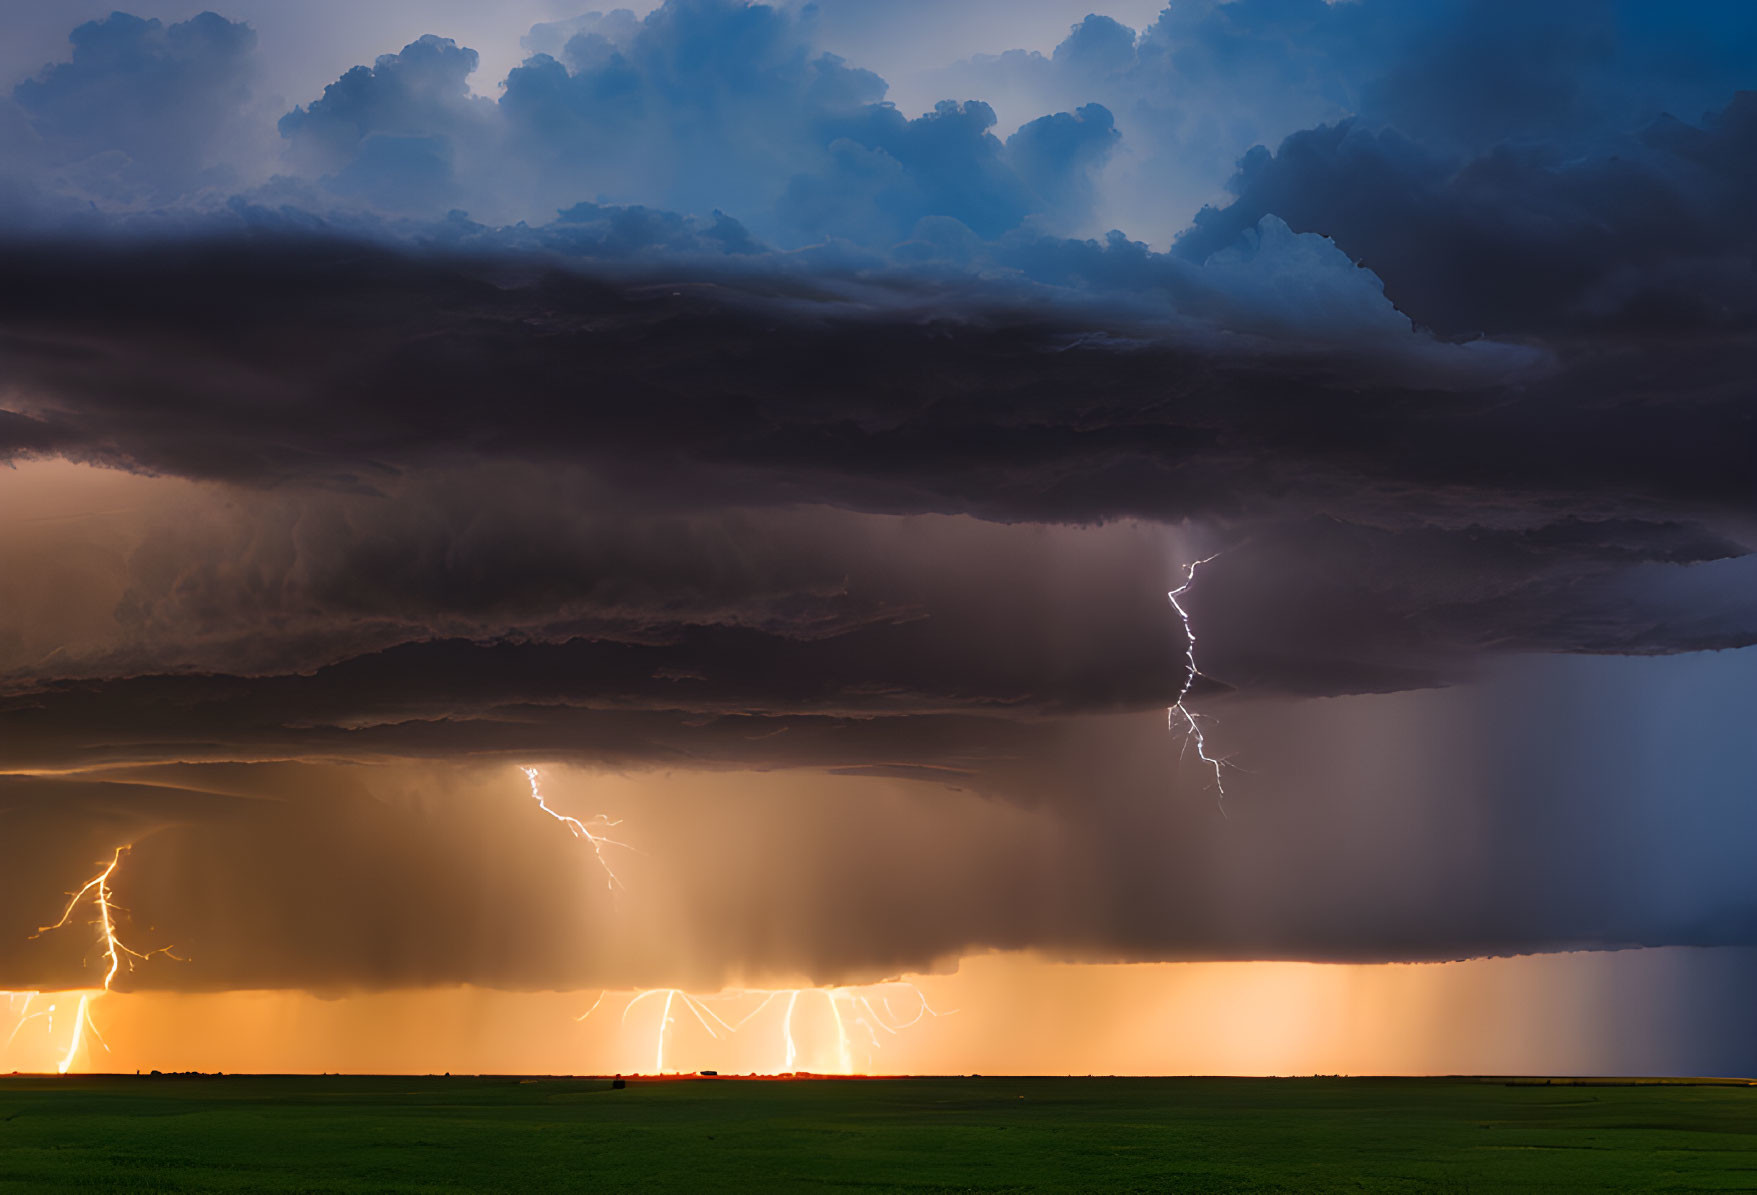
pixel 1646 235
pixel 1204 83
pixel 1467 497
pixel 913 667
pixel 1483 510
pixel 1445 824
pixel 199 361
pixel 290 582
pixel 361 626
pixel 158 719
pixel 807 639
pixel 647 484
pixel 1381 608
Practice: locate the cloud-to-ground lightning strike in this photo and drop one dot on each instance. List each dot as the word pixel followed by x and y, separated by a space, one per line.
pixel 1178 715
pixel 849 1008
pixel 115 952
pixel 26 1007
pixel 672 995
pixel 18 1006
pixel 583 830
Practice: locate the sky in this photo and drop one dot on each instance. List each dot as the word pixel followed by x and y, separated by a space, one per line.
pixel 768 437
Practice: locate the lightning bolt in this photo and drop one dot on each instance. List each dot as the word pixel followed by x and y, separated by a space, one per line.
pixel 18 1004
pixel 1178 716
pixel 849 1008
pixel 583 830
pixel 707 1016
pixel 116 953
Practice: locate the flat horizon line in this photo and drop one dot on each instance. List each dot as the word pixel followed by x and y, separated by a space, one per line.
pixel 1510 1080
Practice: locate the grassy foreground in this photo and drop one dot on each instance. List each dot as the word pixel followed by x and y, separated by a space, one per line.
pixel 1180 1135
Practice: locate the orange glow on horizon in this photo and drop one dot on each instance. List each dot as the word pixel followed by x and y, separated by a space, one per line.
pixel 1019 1014
pixel 115 953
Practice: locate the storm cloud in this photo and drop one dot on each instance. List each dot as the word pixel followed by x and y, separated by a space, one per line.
pixel 684 417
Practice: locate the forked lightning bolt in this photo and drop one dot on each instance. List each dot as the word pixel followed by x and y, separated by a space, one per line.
pixel 116 955
pixel 849 1008
pixel 1178 715
pixel 583 830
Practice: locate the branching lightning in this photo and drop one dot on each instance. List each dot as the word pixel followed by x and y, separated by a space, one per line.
pixel 1178 716
pixel 849 1008
pixel 116 954
pixel 583 830
pixel 672 995
pixel 18 1006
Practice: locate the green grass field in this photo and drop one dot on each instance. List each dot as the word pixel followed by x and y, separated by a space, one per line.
pixel 1188 1135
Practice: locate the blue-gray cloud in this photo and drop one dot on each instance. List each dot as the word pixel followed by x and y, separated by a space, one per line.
pixel 1598 179
pixel 1649 233
pixel 1205 83
pixel 706 105
pixel 140 112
